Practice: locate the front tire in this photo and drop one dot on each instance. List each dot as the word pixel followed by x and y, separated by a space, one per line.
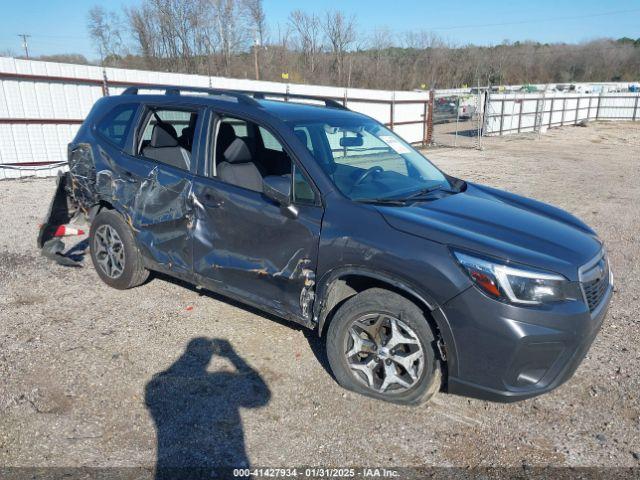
pixel 381 345
pixel 114 251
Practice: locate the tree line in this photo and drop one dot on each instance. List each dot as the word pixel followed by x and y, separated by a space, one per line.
pixel 233 38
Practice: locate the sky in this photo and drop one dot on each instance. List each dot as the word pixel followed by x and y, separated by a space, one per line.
pixel 59 26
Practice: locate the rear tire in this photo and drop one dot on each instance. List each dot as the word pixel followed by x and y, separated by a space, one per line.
pixel 381 345
pixel 114 251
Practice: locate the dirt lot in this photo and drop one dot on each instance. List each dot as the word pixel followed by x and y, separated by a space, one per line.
pixel 77 359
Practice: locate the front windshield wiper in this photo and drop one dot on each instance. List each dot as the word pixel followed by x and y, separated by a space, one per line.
pixel 383 201
pixel 426 191
pixel 402 201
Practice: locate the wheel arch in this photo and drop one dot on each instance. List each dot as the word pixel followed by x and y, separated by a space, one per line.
pixel 342 283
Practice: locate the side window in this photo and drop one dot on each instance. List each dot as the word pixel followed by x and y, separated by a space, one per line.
pixel 167 137
pixel 179 122
pixel 256 153
pixel 240 127
pixel 116 125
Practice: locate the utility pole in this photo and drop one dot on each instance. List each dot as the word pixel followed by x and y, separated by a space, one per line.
pixel 24 37
pixel 256 47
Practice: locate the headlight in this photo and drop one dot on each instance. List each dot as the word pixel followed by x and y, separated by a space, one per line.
pixel 517 284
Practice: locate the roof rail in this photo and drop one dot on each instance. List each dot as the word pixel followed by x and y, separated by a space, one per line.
pixel 175 90
pixel 328 102
pixel 247 97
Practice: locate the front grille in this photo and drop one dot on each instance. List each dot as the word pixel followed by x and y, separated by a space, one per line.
pixel 594 277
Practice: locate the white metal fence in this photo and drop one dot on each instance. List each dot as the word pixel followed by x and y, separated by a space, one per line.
pixel 508 113
pixel 42 104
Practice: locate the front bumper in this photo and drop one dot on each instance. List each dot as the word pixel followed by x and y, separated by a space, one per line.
pixel 506 353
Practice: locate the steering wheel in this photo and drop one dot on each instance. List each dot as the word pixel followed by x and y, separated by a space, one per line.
pixel 366 174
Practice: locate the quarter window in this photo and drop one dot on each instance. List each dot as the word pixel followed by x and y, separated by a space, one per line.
pixel 116 125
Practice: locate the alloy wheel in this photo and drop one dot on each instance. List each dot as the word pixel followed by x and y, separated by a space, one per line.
pixel 109 251
pixel 384 353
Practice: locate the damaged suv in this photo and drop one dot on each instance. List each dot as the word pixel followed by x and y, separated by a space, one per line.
pixel 417 280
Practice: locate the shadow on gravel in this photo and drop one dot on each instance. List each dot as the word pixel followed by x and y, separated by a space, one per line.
pixel 196 412
pixel 316 343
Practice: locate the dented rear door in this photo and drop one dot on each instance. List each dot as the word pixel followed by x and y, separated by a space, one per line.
pixel 154 198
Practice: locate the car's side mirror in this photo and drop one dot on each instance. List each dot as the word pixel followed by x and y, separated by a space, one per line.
pixel 278 189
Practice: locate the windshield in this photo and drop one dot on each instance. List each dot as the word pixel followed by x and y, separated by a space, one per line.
pixel 368 162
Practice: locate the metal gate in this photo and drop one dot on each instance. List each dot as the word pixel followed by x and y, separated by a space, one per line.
pixel 458 119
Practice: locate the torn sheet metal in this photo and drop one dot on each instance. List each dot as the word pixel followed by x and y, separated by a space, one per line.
pixel 62 210
pixel 59 212
pixel 307 295
pixel 230 240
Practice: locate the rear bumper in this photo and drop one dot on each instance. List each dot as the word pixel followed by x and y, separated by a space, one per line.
pixel 506 353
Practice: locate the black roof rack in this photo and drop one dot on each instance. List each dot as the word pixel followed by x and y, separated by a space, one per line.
pixel 328 102
pixel 175 90
pixel 247 97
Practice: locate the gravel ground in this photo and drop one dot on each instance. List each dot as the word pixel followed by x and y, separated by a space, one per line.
pixel 78 359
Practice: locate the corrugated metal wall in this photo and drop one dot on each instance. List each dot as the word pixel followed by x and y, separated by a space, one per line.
pixel 42 104
pixel 508 113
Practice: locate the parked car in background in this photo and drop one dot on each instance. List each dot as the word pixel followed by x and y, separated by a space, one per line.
pixel 418 281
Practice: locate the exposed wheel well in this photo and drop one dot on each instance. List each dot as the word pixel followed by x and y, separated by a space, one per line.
pixel 346 286
pixel 349 285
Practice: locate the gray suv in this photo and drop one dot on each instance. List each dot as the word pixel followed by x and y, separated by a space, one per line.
pixel 417 280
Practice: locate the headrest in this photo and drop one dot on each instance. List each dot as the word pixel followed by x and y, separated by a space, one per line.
pixel 226 130
pixel 163 135
pixel 238 152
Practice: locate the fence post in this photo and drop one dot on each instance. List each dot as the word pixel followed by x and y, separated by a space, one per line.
pixel 553 101
pixel 564 106
pixel 479 121
pixel 635 108
pixel 501 115
pixel 598 107
pixel 520 114
pixel 485 114
pixel 105 83
pixel 425 121
pixel 344 100
pixel 429 118
pixel 577 111
pixel 392 106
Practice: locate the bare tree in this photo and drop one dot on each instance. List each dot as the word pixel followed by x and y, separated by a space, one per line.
pixel 207 36
pixel 340 31
pixel 307 29
pixel 105 30
pixel 230 30
pixel 258 21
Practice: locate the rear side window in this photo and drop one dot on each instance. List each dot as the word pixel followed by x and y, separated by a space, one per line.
pixel 116 124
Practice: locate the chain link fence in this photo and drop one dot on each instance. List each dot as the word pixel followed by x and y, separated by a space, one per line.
pixel 458 119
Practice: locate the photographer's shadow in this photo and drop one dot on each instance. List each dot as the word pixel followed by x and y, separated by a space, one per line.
pixel 197 413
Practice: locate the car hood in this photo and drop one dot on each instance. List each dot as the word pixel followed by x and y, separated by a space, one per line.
pixel 503 225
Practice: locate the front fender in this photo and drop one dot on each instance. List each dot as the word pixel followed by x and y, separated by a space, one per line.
pixel 424 299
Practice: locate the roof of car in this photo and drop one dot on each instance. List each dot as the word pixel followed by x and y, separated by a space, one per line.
pixel 301 112
pixel 286 111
